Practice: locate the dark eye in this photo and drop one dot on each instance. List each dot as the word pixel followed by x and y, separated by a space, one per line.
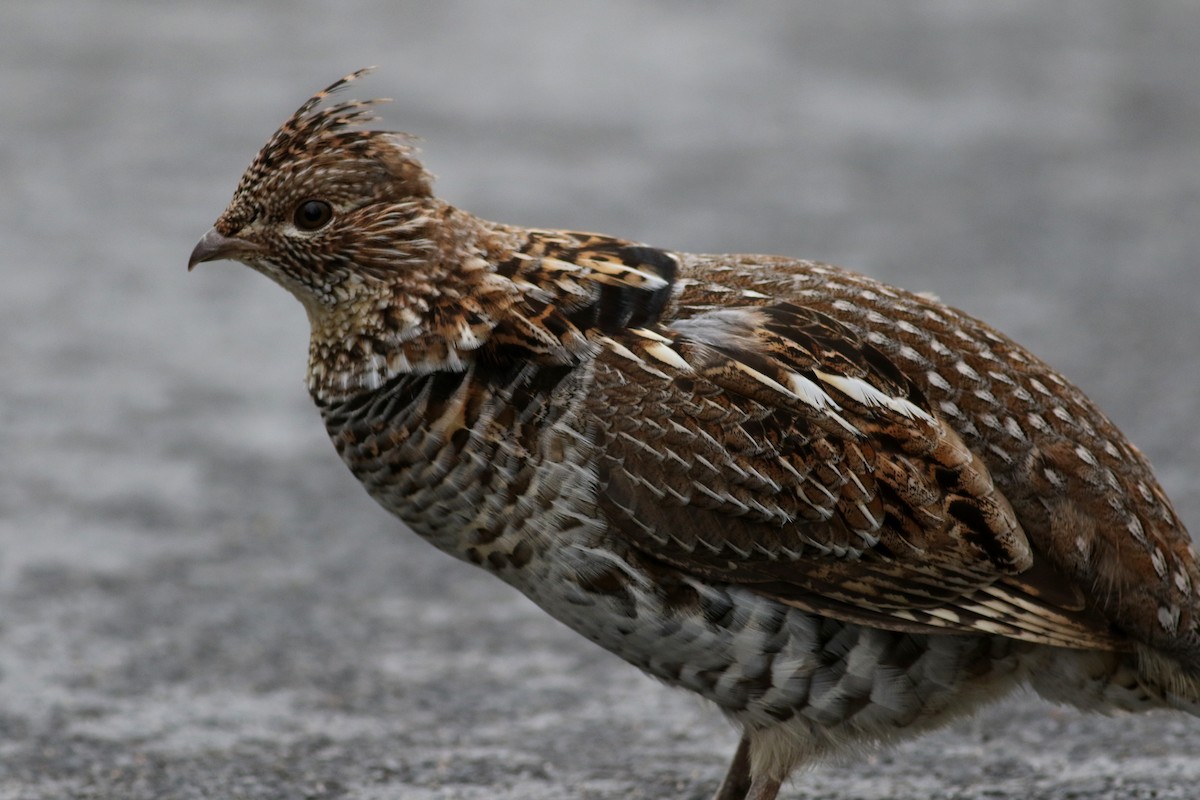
pixel 313 214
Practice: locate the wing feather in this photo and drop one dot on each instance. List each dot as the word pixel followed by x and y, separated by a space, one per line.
pixel 776 450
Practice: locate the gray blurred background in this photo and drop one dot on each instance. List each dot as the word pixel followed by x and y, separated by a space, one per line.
pixel 197 600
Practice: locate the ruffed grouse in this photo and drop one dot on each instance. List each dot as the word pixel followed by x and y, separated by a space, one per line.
pixel 841 511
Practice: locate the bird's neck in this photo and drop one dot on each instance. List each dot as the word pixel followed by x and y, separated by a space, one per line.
pixel 432 316
pixel 372 339
pixel 344 362
pixel 486 291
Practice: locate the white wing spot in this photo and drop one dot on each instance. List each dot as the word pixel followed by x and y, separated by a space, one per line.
pixel 866 394
pixel 666 355
pixel 1040 387
pixel 557 265
pixel 937 381
pixel 873 524
pixel 653 336
pixel 1001 453
pixel 1168 617
pixel 1000 376
pixel 371 376
pixel 990 421
pixel 808 399
pixel 767 380
pixel 1086 456
pixel 622 350
pixel 1110 478
pixel 1160 562
pixel 948 614
pixel 987 355
pixel 622 275
pixel 1022 394
pixel 986 396
pixel 1134 526
pixel 1183 581
pixel 397 361
pixel 467 338
pixel 1014 430
pixel 966 370
pixel 811 393
pixel 877 338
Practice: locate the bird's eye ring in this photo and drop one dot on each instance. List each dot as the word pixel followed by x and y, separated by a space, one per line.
pixel 313 215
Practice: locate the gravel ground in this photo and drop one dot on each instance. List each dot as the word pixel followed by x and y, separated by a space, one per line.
pixel 197 600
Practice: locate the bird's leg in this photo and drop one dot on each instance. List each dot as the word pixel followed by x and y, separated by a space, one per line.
pixel 737 778
pixel 763 788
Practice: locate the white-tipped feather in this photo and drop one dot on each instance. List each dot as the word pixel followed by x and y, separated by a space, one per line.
pixel 666 355
pixel 866 394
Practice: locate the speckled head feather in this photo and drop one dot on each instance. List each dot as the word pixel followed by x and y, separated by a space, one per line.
pixel 327 202
pixel 315 135
pixel 310 122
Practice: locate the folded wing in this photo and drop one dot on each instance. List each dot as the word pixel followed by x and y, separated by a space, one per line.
pixel 773 448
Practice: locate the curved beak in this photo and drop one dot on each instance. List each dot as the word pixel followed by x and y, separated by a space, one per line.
pixel 216 246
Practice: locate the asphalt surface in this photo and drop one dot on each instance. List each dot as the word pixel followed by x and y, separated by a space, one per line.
pixel 197 600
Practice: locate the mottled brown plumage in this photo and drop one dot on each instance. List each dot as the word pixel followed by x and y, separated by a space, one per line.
pixel 840 511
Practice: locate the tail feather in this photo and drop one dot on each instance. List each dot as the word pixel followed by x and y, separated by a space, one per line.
pixel 1176 684
pixel 1110 682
